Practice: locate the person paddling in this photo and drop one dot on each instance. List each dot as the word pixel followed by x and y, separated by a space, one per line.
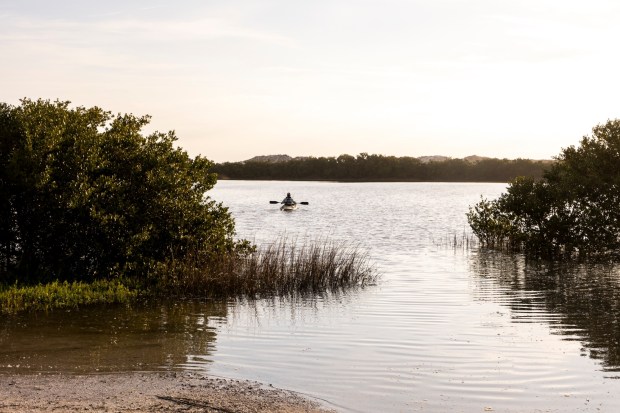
pixel 288 203
pixel 288 200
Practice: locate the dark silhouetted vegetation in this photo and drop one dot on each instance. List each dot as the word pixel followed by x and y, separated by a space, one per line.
pixel 571 212
pixel 86 196
pixel 379 168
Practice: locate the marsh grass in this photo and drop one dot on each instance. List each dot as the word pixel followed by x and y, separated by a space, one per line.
pixel 465 241
pixel 282 268
pixel 15 298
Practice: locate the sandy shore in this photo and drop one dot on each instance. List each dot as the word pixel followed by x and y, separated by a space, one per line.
pixel 144 392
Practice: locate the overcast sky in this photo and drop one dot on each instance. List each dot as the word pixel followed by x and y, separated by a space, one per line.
pixel 234 79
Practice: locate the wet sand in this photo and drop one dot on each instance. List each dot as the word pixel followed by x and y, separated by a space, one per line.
pixel 145 392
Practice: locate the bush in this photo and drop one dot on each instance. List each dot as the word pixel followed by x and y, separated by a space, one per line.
pixel 571 212
pixel 84 195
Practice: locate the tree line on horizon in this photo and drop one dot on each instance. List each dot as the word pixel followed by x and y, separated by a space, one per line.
pixel 380 168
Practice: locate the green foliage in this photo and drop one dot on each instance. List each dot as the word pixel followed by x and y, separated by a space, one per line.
pixel 85 195
pixel 379 168
pixel 572 211
pixel 63 295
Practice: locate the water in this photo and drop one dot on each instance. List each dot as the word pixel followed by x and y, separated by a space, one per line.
pixel 445 329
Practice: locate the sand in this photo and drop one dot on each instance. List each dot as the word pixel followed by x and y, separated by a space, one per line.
pixel 145 392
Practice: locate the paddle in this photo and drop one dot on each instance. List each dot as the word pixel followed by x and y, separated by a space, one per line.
pixel 302 203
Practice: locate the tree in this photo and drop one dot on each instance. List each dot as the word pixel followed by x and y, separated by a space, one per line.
pixel 572 211
pixel 85 195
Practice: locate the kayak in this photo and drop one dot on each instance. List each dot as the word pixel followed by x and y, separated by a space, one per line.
pixel 288 207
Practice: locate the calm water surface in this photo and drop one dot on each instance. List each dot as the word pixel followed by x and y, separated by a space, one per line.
pixel 446 329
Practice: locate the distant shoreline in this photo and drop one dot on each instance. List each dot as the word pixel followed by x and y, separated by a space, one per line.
pixel 221 178
pixel 378 168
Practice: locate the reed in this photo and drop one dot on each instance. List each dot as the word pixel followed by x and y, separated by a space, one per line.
pixel 465 241
pixel 16 298
pixel 284 267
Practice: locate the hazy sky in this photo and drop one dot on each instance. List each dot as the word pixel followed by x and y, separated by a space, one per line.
pixel 505 78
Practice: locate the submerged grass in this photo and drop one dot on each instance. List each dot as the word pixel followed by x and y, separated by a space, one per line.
pixel 15 298
pixel 464 241
pixel 282 268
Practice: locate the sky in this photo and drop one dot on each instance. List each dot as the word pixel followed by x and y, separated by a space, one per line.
pixel 235 79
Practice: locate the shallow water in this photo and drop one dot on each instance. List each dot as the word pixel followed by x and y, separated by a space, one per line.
pixel 445 329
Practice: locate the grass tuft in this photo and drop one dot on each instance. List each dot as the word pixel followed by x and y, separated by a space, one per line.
pixel 464 241
pixel 280 268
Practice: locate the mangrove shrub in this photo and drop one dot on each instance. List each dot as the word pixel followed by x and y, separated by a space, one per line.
pixel 574 210
pixel 85 195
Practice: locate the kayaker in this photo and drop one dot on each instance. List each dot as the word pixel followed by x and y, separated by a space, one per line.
pixel 288 200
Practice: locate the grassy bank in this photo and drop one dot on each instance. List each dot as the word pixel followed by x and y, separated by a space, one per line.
pixel 280 268
pixel 15 298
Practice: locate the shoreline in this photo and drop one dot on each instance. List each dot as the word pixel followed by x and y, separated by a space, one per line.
pixel 146 392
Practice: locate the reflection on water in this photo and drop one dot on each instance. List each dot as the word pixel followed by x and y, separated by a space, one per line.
pixel 444 330
pixel 580 302
pixel 109 338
